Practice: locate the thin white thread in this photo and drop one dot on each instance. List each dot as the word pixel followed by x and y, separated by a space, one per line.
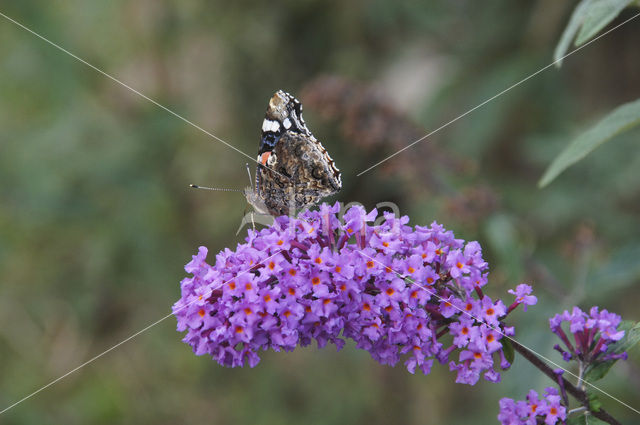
pixel 129 338
pixel 191 123
pixel 497 95
pixel 500 332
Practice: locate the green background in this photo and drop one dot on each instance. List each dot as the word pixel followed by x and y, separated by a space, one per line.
pixel 97 220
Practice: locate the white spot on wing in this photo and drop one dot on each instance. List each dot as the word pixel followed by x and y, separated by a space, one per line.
pixel 270 125
pixel 287 123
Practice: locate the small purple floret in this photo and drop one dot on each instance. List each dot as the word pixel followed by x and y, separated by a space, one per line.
pixel 523 296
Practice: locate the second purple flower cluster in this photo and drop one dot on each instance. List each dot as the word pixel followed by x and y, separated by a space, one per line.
pixel 592 333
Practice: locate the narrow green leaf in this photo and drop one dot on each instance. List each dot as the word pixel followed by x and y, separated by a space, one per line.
pixel 507 349
pixel 631 338
pixel 598 16
pixel 622 118
pixel 594 402
pixel 569 33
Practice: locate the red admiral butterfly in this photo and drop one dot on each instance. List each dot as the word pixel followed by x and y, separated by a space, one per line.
pixel 294 170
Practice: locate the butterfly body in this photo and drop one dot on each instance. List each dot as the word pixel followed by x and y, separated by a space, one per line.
pixel 294 170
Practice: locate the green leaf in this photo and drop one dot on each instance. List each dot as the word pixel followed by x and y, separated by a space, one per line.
pixel 600 13
pixel 631 337
pixel 569 33
pixel 587 19
pixel 507 349
pixel 622 118
pixel 594 402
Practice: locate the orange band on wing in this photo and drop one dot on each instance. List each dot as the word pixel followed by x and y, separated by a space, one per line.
pixel 264 157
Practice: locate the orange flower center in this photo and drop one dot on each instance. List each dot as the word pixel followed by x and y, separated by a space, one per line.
pixel 315 280
pixel 201 313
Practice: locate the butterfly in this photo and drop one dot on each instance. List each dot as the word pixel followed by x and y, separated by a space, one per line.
pixel 294 170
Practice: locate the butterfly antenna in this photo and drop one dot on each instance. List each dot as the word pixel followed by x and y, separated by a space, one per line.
pixel 195 186
pixel 249 172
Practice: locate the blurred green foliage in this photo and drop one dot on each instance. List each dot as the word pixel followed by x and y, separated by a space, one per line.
pixel 97 220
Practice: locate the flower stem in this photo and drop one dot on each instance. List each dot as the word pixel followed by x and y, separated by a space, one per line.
pixel 580 382
pixel 578 393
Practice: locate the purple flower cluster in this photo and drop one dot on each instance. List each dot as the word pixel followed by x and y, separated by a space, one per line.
pixel 534 410
pixel 396 290
pixel 591 334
